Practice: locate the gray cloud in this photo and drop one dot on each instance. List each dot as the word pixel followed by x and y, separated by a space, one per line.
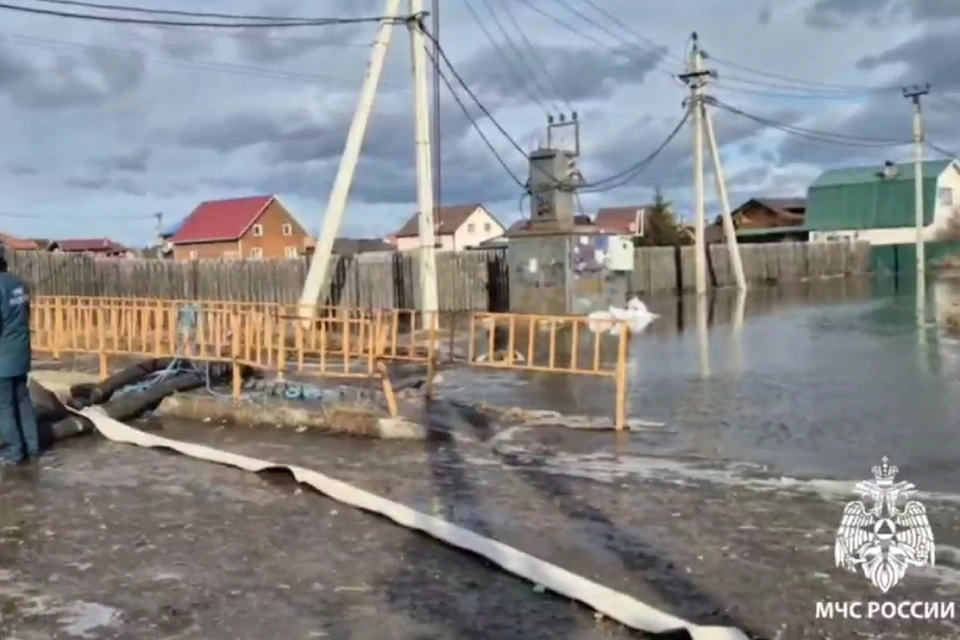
pixel 933 57
pixel 66 81
pixel 267 46
pixel 838 14
pixel 133 162
pixel 122 184
pixel 574 73
pixel 183 43
pixel 765 14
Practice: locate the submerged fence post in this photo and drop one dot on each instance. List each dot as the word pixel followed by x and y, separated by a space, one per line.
pixel 620 421
pixel 57 326
pixel 102 342
pixel 235 354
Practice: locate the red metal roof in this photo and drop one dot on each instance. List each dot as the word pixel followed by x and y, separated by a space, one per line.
pixel 17 244
pixel 93 245
pixel 218 220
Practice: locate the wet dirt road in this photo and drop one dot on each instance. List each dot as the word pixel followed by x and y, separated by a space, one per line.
pixel 111 541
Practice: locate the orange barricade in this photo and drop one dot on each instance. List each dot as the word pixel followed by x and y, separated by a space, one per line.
pixel 334 342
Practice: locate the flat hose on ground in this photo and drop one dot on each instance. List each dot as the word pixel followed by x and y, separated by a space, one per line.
pixel 613 604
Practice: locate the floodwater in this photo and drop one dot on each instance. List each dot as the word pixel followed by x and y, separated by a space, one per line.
pixel 820 380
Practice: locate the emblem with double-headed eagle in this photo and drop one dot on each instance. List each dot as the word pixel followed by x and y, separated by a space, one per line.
pixel 885 539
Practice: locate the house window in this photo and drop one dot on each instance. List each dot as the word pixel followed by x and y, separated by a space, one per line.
pixel 229 254
pixel 291 252
pixel 258 229
pixel 487 226
pixel 288 230
pixel 193 255
pixel 945 197
pixel 256 253
pixel 471 228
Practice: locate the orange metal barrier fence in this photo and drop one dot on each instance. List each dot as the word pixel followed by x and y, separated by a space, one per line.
pixel 336 342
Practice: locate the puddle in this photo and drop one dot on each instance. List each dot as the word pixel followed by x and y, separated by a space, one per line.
pixel 83 619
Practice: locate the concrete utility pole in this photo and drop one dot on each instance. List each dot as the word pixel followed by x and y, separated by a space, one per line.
pixel 317 276
pixel 425 201
pixel 915 93
pixel 437 191
pixel 697 78
pixel 694 78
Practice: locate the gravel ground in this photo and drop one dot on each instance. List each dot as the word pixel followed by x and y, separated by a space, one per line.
pixel 111 541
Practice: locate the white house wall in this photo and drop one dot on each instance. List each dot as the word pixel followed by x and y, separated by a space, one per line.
pixel 479 227
pixel 949 179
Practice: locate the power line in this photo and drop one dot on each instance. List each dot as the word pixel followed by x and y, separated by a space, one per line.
pixel 521 59
pixel 811 134
pixel 944 152
pixel 577 31
pixel 317 22
pixel 41 216
pixel 473 121
pixel 801 82
pixel 517 76
pixel 534 54
pixel 634 169
pixel 187 63
pixel 631 172
pixel 166 12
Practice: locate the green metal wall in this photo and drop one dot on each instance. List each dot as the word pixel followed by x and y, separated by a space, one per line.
pixel 861 198
pixel 868 205
pixel 902 258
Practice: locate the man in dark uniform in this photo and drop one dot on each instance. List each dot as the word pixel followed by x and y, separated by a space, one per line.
pixel 18 422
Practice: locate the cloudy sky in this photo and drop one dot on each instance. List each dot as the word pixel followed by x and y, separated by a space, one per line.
pixel 106 124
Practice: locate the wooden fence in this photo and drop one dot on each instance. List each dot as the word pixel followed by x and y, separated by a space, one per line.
pixel 671 269
pixel 367 281
pixel 468 281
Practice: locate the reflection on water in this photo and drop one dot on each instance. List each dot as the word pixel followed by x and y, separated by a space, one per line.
pixel 820 379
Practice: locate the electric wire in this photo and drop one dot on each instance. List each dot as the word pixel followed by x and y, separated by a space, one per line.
pixel 187 63
pixel 631 172
pixel 535 55
pixel 599 185
pixel 576 31
pixel 517 75
pixel 473 122
pixel 942 151
pixel 812 134
pixel 266 24
pixel 521 59
pixel 166 12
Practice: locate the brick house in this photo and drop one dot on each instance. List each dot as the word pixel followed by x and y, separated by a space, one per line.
pixel 255 227
pixel 620 220
pixel 457 228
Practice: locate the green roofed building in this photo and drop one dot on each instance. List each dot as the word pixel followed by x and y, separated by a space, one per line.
pixel 876 204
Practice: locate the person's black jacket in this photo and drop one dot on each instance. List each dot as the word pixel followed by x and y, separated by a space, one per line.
pixel 15 353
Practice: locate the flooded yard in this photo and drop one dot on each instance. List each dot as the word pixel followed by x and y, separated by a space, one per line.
pixel 773 408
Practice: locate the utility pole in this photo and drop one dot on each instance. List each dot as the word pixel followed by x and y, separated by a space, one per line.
pixel 317 276
pixel 697 78
pixel 914 94
pixel 437 191
pixel 425 201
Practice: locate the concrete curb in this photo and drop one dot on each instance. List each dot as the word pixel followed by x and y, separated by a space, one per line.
pixel 341 419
